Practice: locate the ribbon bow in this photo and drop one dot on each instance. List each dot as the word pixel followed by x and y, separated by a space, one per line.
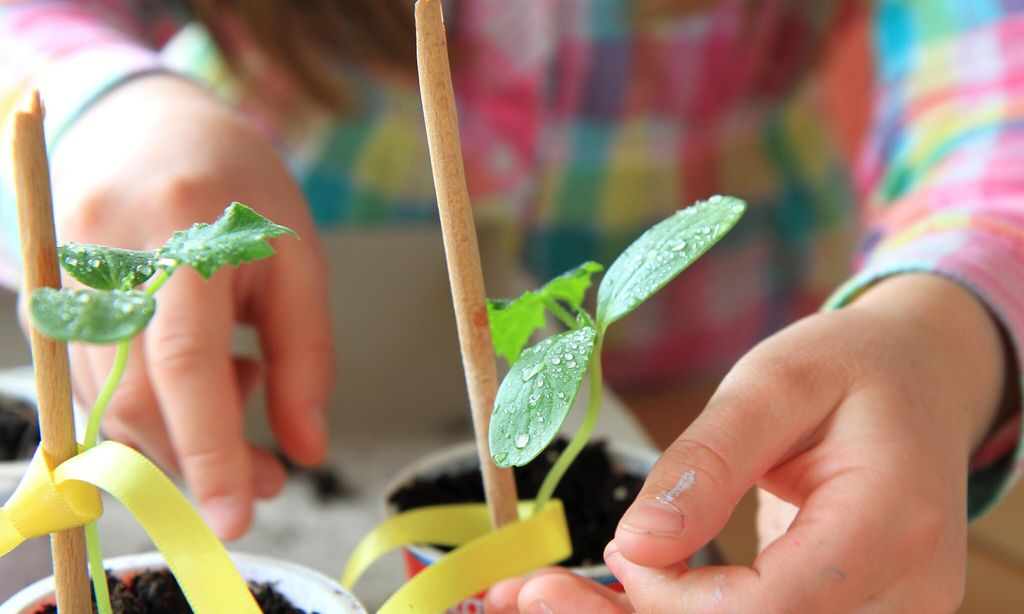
pixel 49 501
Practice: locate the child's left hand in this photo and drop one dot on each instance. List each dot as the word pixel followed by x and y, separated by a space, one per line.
pixel 865 419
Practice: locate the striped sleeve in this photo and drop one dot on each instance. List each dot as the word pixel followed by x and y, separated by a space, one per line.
pixel 941 173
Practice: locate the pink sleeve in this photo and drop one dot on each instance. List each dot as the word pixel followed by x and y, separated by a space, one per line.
pixel 72 52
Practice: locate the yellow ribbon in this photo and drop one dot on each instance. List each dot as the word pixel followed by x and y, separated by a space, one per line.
pixel 483 558
pixel 46 502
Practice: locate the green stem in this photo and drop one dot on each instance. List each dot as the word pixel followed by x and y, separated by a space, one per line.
pixel 554 476
pixel 92 432
pixel 559 312
pixel 158 281
pixel 99 576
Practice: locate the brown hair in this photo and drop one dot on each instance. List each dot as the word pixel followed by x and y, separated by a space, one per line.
pixel 307 39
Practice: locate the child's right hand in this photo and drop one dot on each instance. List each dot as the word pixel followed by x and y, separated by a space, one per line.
pixel 152 157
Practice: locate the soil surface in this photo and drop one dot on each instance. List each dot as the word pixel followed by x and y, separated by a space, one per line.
pixel 594 494
pixel 19 429
pixel 157 592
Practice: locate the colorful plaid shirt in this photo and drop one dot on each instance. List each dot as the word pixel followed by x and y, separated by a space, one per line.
pixel 870 138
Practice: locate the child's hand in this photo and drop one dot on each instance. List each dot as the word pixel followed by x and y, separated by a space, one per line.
pixel 864 418
pixel 150 158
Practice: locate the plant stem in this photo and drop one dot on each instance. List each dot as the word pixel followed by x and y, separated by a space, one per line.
pixel 554 476
pixel 92 432
pixel 99 576
pixel 559 312
pixel 158 281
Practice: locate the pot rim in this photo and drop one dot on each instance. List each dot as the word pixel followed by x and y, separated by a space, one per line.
pixel 254 567
pixel 621 453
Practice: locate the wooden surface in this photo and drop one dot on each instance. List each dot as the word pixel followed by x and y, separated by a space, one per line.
pixel 461 249
pixel 49 357
pixel 995 557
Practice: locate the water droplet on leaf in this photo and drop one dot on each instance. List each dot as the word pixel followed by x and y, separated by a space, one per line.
pixel 521 440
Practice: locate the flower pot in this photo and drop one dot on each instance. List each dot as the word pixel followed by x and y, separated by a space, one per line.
pixel 307 589
pixel 632 459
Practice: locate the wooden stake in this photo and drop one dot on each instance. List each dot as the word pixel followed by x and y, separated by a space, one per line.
pixel 461 249
pixel 53 381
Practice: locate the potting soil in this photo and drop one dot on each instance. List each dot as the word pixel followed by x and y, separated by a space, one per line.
pixel 594 493
pixel 157 592
pixel 19 429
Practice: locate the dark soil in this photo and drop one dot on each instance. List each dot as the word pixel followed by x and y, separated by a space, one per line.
pixel 19 429
pixel 328 483
pixel 595 496
pixel 157 592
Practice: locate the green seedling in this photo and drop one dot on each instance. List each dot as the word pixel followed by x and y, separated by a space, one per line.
pixel 113 308
pixel 541 386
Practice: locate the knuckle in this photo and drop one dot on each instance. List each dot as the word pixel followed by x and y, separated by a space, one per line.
pixel 205 464
pixel 687 454
pixel 86 216
pixel 180 199
pixel 179 353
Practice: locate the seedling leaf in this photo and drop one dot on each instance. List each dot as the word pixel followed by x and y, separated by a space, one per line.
pixel 107 268
pixel 239 235
pixel 93 316
pixel 537 394
pixel 661 253
pixel 570 287
pixel 512 322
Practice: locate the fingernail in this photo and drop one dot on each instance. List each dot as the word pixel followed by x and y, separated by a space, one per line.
pixel 222 513
pixel 653 517
pixel 611 549
pixel 538 607
pixel 613 560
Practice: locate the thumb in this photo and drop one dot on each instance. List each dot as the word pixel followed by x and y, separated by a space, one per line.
pixel 769 403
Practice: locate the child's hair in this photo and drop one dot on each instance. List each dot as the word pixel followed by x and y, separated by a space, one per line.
pixel 309 38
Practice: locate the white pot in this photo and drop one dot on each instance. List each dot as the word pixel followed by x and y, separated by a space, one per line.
pixel 307 589
pixel 633 459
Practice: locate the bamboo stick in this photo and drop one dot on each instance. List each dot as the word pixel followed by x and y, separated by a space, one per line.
pixel 53 381
pixel 461 250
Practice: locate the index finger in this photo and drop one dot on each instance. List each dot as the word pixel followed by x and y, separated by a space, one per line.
pixel 188 354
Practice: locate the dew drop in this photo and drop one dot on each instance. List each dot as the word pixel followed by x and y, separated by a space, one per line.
pixel 500 457
pixel 71 261
pixel 556 360
pixel 521 440
pixel 528 374
pixel 678 247
pixel 94 263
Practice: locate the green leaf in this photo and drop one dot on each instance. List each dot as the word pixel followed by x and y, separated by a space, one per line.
pixel 537 394
pixel 512 323
pixel 663 252
pixel 570 287
pixel 107 268
pixel 94 316
pixel 239 235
